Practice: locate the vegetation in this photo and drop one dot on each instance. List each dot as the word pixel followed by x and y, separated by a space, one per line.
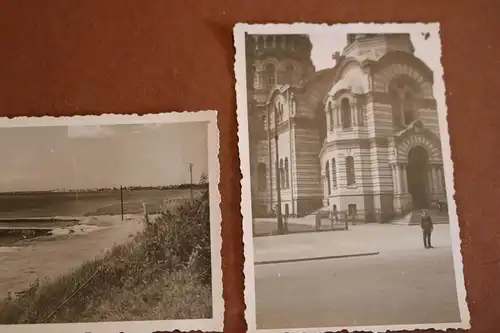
pixel 162 273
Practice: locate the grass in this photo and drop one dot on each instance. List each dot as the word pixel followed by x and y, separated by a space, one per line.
pixel 162 273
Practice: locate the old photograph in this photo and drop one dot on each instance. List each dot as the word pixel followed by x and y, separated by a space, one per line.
pixel 110 223
pixel 349 217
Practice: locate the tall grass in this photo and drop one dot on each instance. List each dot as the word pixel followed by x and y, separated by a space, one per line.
pixel 162 273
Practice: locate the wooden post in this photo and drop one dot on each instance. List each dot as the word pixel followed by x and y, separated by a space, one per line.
pixel 121 200
pixel 145 208
pixel 191 179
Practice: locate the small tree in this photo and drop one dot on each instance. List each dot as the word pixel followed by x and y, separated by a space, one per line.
pixel 203 179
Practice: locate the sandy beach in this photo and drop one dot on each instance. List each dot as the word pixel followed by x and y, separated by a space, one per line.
pixel 64 250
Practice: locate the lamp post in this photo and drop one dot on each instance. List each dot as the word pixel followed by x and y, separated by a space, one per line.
pixel 278 180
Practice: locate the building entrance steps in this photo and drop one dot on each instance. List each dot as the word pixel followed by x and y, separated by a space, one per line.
pixel 413 218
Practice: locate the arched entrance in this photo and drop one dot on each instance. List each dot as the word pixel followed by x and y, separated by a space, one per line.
pixel 417 176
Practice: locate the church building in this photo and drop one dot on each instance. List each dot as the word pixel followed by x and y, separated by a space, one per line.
pixel 361 137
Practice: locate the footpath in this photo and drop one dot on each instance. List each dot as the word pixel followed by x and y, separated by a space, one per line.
pixel 359 240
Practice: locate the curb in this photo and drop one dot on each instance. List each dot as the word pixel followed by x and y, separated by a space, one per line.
pixel 283 261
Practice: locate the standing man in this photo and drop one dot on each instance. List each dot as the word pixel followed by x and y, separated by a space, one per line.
pixel 427 227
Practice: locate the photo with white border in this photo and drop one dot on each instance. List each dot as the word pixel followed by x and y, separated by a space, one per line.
pixel 349 218
pixel 110 223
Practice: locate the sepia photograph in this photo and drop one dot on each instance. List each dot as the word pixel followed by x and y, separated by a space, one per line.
pixel 110 223
pixel 347 190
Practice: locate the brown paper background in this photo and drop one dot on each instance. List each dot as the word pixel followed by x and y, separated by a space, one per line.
pixel 89 57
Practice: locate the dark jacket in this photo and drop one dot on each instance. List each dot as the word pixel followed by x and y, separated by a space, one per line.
pixel 426 222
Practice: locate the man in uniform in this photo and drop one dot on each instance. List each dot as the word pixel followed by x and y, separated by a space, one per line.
pixel 427 227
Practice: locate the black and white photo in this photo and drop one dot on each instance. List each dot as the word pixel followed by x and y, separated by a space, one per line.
pixel 110 223
pixel 347 190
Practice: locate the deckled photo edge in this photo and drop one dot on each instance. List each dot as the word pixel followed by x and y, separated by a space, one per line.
pixel 448 166
pixel 214 324
pixel 110 119
pixel 239 31
pixel 244 154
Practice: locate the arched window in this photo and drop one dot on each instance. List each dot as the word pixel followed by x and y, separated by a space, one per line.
pixel 262 177
pixel 345 107
pixel 289 71
pixel 287 173
pixel 334 173
pixel 403 106
pixel 270 73
pixel 408 108
pixel 349 166
pixel 327 175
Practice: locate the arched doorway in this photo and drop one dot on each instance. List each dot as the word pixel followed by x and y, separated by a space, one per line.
pixel 417 176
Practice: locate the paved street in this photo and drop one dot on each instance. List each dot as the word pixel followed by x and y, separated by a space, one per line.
pixel 403 284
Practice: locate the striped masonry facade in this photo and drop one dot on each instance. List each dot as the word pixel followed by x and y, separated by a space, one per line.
pixel 377 147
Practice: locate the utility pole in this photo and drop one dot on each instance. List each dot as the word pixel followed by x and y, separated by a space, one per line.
pixel 121 199
pixel 191 179
pixel 278 180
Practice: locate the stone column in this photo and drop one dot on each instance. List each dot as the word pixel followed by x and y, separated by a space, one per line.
pixel 336 117
pixel 405 179
pixel 354 112
pixel 394 178
pixel 442 180
pixel 340 116
pixel 430 185
pixel 360 115
pixel 434 179
pixel 397 184
pixel 328 119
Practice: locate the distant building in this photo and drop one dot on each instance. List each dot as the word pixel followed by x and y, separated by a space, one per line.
pixel 361 137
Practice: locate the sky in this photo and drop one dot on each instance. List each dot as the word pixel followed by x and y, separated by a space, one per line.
pixel 55 157
pixel 325 45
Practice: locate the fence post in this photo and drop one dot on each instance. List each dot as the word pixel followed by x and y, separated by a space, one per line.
pixel 145 208
pixel 121 200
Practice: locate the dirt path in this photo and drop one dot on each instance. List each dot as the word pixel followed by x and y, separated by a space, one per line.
pixel 51 257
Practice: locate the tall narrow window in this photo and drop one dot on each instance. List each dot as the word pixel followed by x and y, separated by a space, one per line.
pixel 408 108
pixel 334 173
pixel 287 173
pixel 345 107
pixel 270 73
pixel 349 165
pixel 289 71
pixel 396 109
pixel 327 175
pixel 262 177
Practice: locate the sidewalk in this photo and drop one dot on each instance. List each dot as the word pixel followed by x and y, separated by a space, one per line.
pixel 359 240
